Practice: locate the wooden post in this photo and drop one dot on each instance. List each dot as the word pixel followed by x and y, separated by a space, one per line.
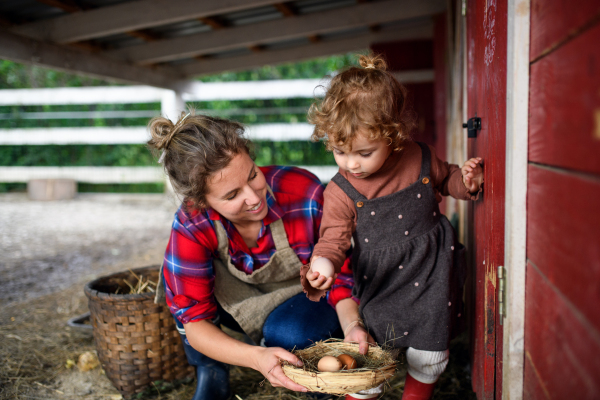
pixel 171 105
pixel 517 123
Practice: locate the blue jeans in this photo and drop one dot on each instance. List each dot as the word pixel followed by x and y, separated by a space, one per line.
pixel 296 323
pixel 299 322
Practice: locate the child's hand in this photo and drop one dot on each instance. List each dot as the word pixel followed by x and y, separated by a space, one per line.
pixel 358 334
pixel 321 273
pixel 472 174
pixel 319 281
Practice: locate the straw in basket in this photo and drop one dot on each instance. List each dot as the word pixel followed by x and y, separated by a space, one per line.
pixel 374 368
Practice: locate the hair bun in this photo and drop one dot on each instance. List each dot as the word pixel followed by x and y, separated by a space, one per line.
pixel 372 61
pixel 161 130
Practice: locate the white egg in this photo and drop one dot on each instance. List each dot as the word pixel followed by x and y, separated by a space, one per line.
pixel 323 266
pixel 329 364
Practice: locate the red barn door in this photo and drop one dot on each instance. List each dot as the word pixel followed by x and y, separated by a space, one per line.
pixel 486 36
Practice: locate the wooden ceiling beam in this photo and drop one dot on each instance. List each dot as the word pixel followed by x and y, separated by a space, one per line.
pixel 129 16
pixel 299 53
pixel 314 38
pixel 66 5
pixel 71 6
pixel 145 35
pixel 5 22
pixel 213 22
pixel 21 49
pixel 285 9
pixel 279 30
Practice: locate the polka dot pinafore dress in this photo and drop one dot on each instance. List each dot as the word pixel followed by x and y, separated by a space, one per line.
pixel 408 266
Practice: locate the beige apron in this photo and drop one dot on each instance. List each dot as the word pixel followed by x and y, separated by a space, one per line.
pixel 251 298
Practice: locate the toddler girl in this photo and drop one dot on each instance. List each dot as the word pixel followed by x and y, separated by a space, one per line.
pixel 407 264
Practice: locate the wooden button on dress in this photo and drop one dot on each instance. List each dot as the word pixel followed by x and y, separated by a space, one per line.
pixel 360 204
pixel 425 181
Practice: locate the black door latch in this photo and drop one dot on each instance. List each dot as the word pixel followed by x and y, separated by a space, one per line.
pixel 473 125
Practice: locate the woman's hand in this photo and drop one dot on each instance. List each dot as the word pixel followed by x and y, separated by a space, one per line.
pixel 358 334
pixel 266 361
pixel 216 344
pixel 472 174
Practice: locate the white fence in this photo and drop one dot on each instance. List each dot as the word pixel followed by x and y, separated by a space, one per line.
pixel 276 89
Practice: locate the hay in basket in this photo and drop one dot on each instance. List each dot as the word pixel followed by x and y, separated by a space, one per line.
pixel 374 368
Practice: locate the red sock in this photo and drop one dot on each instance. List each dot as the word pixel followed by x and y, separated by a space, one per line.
pixel 415 390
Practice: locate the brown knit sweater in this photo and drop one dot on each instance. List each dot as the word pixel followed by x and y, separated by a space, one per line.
pixel 399 171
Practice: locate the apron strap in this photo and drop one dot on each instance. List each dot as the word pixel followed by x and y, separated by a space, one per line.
pixel 278 230
pixel 425 161
pixel 159 296
pixel 348 188
pixel 279 235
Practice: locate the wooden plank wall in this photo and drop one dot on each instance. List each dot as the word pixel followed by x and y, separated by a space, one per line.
pixel 562 330
pixel 440 85
pixel 426 99
pixel 414 55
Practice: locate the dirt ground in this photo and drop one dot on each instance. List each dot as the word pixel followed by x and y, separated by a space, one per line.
pixel 49 250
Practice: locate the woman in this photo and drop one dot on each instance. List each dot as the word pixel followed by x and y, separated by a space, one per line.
pixel 237 245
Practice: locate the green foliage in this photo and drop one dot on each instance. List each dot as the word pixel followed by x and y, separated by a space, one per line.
pixel 16 76
pixel 137 155
pixel 12 117
pixel 157 187
pixel 76 155
pixel 21 76
pixel 12 187
pixel 315 68
pixel 292 153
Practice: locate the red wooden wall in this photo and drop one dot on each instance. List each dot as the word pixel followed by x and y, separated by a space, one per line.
pixel 414 55
pixel 426 99
pixel 440 84
pixel 562 314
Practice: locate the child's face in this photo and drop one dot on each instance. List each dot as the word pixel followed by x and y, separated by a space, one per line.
pixel 365 158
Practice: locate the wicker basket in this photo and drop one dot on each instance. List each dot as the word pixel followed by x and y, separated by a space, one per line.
pixel 137 340
pixel 382 367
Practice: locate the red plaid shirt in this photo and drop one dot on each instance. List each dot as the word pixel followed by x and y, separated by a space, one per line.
pixel 188 268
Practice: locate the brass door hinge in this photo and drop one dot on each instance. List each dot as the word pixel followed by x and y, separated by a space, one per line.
pixel 501 291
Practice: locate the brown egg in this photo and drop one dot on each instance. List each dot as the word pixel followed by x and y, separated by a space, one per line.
pixel 329 364
pixel 348 362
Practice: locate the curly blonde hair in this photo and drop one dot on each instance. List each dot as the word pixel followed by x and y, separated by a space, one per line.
pixel 195 148
pixel 369 99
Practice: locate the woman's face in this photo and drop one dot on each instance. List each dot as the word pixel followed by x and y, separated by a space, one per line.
pixel 239 191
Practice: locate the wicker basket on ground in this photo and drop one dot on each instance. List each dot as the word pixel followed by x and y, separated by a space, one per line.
pixel 374 368
pixel 136 339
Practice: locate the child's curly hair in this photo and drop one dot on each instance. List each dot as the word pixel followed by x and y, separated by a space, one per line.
pixel 367 98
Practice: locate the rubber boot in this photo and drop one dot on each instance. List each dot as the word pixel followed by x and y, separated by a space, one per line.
pixel 415 390
pixel 212 377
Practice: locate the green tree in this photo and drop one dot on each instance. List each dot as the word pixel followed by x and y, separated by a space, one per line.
pixel 18 76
